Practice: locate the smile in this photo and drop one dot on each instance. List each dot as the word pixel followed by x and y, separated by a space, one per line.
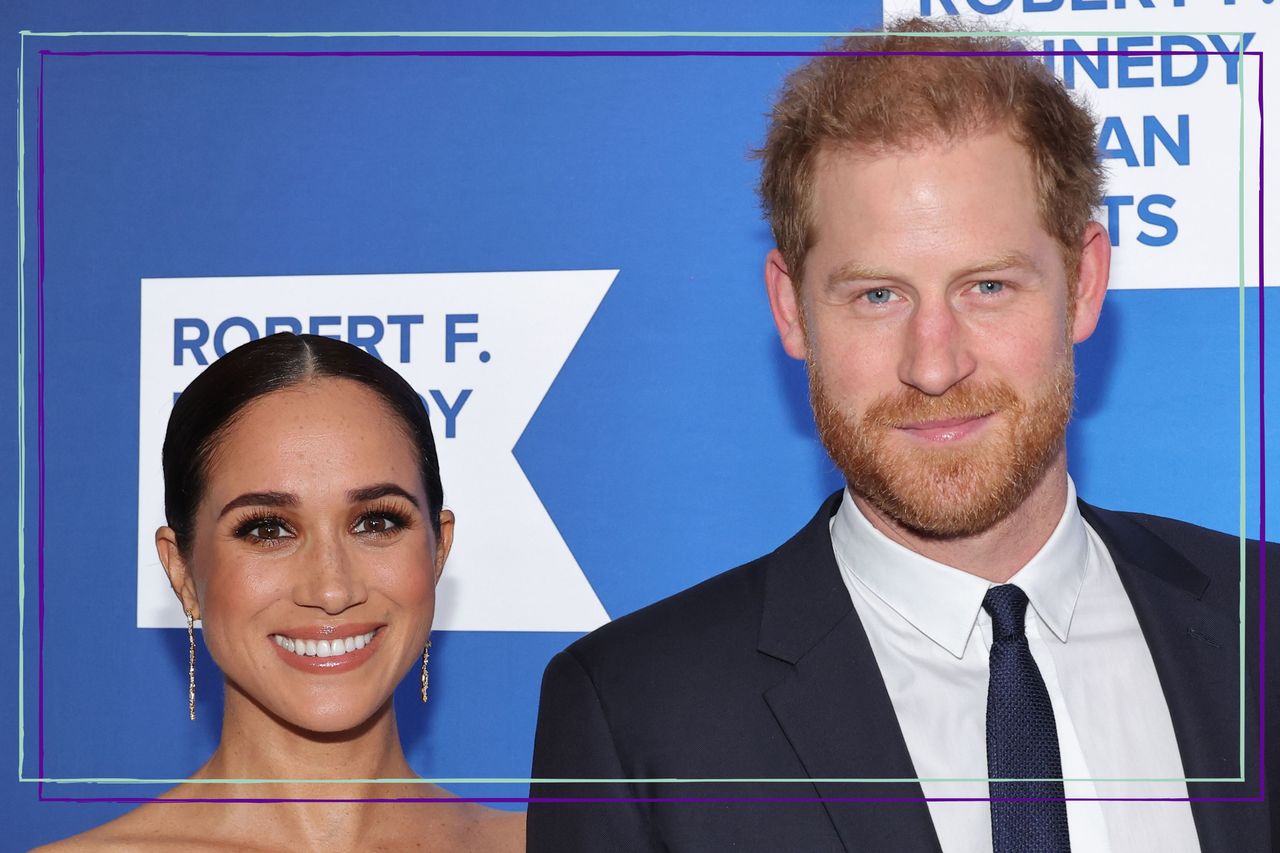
pixel 331 648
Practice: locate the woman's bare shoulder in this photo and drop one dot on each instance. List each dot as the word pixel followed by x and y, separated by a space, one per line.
pixel 112 835
pixel 504 829
pixel 146 828
pixel 497 830
pixel 466 826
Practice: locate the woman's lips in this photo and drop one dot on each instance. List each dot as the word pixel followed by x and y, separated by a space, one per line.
pixel 326 649
pixel 950 429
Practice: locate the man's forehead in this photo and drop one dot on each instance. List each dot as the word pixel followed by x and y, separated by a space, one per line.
pixel 946 206
pixel 976 184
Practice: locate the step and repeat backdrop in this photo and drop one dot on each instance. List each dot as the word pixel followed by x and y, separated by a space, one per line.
pixel 557 242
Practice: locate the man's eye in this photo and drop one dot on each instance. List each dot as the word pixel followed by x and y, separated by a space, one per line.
pixel 879 296
pixel 989 286
pixel 376 524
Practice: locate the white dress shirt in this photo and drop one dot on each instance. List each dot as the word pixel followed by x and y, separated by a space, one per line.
pixel 932 641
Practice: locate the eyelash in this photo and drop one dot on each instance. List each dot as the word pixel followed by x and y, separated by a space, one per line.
pixel 244 527
pixel 391 513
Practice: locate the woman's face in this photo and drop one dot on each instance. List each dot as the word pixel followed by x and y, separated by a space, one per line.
pixel 313 564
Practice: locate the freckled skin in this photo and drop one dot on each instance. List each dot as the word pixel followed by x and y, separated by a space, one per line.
pixel 931 270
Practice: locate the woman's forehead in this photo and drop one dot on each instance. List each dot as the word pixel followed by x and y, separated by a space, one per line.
pixel 320 436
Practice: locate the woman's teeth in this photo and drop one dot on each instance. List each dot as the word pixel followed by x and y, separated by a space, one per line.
pixel 323 648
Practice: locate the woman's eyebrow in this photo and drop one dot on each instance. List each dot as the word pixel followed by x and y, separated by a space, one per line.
pixel 260 499
pixel 380 490
pixel 288 499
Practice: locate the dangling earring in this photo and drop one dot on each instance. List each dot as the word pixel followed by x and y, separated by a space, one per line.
pixel 191 665
pixel 426 655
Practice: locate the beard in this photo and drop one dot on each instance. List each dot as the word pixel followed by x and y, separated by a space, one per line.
pixel 951 490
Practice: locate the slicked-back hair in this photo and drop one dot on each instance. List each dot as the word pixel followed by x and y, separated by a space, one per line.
pixel 214 399
pixel 901 91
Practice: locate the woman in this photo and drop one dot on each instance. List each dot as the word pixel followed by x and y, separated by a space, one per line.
pixel 305 531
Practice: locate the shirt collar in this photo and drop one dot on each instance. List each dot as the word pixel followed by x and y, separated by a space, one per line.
pixel 943 602
pixel 1053 578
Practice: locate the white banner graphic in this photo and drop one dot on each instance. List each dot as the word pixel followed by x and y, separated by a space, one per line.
pixel 482 349
pixel 1169 85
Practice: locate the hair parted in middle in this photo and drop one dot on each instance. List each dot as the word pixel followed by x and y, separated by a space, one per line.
pixel 902 90
pixel 213 401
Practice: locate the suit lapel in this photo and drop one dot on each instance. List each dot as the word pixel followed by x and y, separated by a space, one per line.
pixel 833 706
pixel 1193 635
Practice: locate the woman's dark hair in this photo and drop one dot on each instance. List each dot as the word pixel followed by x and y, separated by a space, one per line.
pixel 211 403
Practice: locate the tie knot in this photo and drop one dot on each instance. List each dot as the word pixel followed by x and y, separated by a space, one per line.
pixel 1007 605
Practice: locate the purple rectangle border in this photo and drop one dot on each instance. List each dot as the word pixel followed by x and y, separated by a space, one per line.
pixel 1262 481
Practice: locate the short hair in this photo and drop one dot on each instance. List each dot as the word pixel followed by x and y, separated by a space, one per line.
pixel 878 102
pixel 214 399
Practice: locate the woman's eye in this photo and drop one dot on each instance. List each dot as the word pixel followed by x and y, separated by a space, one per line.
pixel 989 287
pixel 879 296
pixel 376 524
pixel 266 530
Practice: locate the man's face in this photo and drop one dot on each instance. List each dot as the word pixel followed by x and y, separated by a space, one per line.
pixel 934 320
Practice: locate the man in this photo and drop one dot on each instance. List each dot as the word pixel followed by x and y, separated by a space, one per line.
pixel 955 614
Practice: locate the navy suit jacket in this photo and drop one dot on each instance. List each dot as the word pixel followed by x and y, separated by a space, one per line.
pixel 765 673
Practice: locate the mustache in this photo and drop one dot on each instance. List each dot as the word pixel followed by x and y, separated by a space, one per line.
pixel 965 400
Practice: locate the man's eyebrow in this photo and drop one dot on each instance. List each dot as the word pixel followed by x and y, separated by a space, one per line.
pixel 260 499
pixel 855 271
pixel 380 490
pixel 1013 260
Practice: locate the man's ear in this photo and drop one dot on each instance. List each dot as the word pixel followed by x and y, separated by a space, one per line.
pixel 444 541
pixel 1091 282
pixel 178 570
pixel 784 302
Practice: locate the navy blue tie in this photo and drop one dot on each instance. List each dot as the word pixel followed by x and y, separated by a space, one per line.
pixel 1022 742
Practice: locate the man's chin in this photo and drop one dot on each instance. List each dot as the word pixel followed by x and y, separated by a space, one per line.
pixel 932 518
pixel 937 505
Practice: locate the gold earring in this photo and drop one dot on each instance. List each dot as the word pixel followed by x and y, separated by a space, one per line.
pixel 426 655
pixel 191 665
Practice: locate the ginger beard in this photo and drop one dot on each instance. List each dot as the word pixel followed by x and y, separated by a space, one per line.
pixel 951 490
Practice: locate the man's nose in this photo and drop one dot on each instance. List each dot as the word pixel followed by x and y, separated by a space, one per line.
pixel 329 578
pixel 937 351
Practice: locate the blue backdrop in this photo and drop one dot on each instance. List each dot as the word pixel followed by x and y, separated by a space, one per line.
pixel 676 441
